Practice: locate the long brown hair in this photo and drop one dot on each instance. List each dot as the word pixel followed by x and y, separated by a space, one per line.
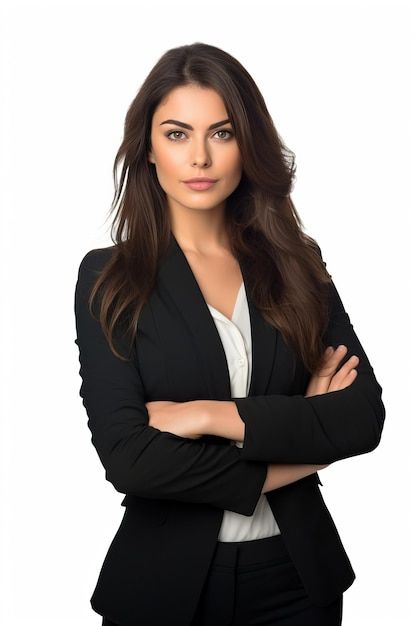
pixel 288 279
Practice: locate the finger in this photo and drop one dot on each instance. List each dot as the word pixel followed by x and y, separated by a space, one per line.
pixel 331 360
pixel 328 352
pixel 321 379
pixel 318 385
pixel 346 367
pixel 343 377
pixel 348 380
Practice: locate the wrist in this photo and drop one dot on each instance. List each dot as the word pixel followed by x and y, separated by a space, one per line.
pixel 221 418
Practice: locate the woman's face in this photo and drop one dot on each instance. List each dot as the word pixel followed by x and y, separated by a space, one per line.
pixel 180 153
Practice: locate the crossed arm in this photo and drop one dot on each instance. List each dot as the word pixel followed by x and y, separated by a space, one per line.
pixel 151 462
pixel 196 418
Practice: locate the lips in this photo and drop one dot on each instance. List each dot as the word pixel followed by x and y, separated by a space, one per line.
pixel 200 179
pixel 200 184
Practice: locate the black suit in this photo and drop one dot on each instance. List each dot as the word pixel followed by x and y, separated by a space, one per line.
pixel 177 488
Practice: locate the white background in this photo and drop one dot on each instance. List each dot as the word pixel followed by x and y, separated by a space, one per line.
pixel 337 79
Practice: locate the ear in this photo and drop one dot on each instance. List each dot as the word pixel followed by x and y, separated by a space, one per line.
pixel 151 158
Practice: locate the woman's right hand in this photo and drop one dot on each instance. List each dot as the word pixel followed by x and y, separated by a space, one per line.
pixel 326 379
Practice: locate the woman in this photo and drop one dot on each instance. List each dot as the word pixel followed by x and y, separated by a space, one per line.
pixel 219 367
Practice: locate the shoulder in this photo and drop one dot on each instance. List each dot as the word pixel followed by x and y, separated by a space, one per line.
pixel 91 266
pixel 97 258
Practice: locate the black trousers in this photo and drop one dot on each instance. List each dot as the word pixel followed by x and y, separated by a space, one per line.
pixel 254 583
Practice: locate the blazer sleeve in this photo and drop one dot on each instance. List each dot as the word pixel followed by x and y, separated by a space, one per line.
pixel 138 459
pixel 321 428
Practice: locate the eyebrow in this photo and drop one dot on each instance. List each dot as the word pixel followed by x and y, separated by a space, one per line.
pixel 184 125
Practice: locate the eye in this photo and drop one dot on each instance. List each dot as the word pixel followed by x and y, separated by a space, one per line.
pixel 173 132
pixel 226 130
pixel 180 132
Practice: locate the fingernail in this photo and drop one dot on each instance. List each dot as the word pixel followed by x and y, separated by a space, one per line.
pixel 328 351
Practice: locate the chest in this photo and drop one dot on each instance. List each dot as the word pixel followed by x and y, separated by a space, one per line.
pixel 219 279
pixel 180 354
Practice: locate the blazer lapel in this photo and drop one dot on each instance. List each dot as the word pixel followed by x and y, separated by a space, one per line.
pixel 177 277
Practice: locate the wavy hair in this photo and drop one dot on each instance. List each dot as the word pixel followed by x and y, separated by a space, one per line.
pixel 288 280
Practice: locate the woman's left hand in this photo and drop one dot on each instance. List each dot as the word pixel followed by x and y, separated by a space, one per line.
pixel 185 419
pixel 327 377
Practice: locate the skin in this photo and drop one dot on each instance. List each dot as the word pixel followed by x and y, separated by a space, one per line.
pixel 197 218
pixel 198 223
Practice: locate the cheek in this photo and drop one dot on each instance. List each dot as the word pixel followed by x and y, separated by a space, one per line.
pixel 235 161
pixel 236 168
pixel 165 155
pixel 168 167
pixel 168 160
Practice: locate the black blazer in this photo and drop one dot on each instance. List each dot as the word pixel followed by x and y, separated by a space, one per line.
pixel 177 488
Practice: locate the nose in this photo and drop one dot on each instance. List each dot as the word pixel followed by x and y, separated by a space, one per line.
pixel 200 154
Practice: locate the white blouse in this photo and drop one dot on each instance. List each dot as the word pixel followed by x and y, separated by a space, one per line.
pixel 235 335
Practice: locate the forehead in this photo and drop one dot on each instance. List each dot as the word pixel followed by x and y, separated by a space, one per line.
pixel 190 103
